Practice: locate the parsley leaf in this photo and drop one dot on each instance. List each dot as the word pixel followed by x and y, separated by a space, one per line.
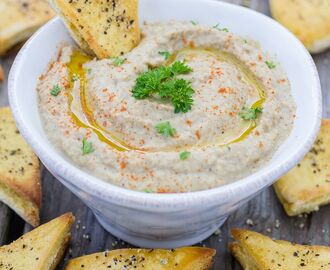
pixel 147 190
pixel 270 64
pixel 55 90
pixel 163 81
pixel 184 155
pixel 166 54
pixel 250 113
pixel 180 68
pixel 117 61
pixel 165 129
pixel 194 22
pixel 87 147
pixel 217 26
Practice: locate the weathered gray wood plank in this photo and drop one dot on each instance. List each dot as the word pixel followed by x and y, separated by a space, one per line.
pixel 264 213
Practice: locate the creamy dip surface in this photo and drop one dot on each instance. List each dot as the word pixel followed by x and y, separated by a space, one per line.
pixel 89 102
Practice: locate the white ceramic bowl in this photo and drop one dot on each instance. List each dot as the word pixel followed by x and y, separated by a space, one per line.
pixel 170 220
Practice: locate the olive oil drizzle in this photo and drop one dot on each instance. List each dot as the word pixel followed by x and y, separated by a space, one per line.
pixel 248 76
pixel 77 72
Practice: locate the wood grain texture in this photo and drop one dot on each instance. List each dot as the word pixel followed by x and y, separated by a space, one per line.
pixel 263 214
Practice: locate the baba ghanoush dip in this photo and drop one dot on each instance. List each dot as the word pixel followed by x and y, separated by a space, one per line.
pixel 192 107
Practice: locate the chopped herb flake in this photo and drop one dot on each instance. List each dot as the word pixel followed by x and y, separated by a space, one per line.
pixel 163 81
pixel 165 129
pixel 117 61
pixel 194 22
pixel 217 26
pixel 147 190
pixel 250 113
pixel 184 155
pixel 87 147
pixel 55 90
pixel 166 55
pixel 270 64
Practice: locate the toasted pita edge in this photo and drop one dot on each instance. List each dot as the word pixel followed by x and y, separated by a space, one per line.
pixel 313 46
pixel 2 74
pixel 251 249
pixel 23 200
pixel 23 31
pixel 58 245
pixel 23 206
pixel 205 257
pixel 294 209
pixel 308 203
pixel 85 38
pixel 319 46
pixel 72 29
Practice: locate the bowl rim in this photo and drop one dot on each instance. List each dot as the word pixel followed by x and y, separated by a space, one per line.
pixel 72 175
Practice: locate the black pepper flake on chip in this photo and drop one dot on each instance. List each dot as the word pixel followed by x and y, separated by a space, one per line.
pixel 79 10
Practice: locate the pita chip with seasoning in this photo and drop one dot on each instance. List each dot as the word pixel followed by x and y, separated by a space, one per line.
pixel 19 171
pixel 2 74
pixel 40 249
pixel 20 19
pixel 305 188
pixel 255 251
pixel 186 258
pixel 104 28
pixel 309 20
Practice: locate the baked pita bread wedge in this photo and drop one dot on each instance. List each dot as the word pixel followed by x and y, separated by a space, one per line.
pixel 309 20
pixel 20 19
pixel 40 249
pixel 107 28
pixel 2 74
pixel 307 186
pixel 19 171
pixel 141 259
pixel 255 251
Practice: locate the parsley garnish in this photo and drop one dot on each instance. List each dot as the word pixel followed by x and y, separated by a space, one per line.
pixel 250 113
pixel 165 129
pixel 87 147
pixel 147 190
pixel 270 64
pixel 165 54
pixel 55 90
pixel 163 81
pixel 217 26
pixel 194 22
pixel 117 61
pixel 184 155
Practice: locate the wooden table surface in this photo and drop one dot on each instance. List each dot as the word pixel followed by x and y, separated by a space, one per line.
pixel 263 214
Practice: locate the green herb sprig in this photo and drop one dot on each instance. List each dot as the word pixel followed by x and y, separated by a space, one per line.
pixel 163 81
pixel 166 129
pixel 184 155
pixel 117 61
pixel 55 90
pixel 250 113
pixel 217 26
pixel 271 65
pixel 166 54
pixel 87 147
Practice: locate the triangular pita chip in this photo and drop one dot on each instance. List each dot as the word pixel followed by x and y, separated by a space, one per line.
pixel 255 251
pixel 40 249
pixel 19 171
pixel 307 186
pixel 141 259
